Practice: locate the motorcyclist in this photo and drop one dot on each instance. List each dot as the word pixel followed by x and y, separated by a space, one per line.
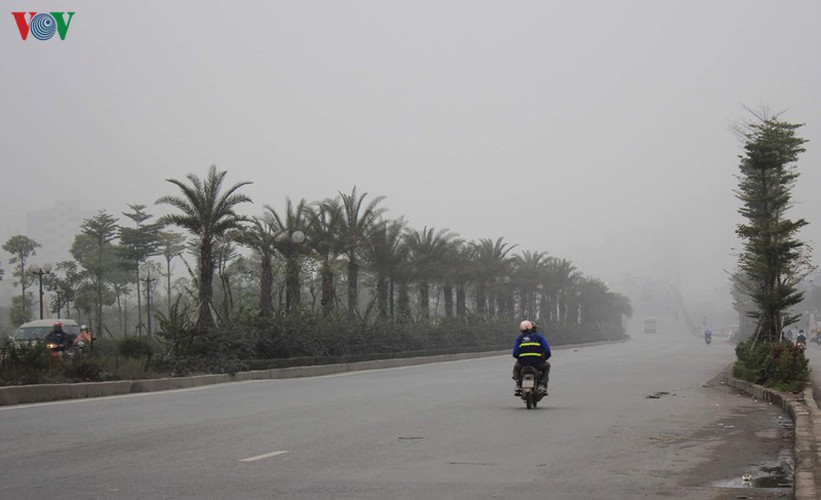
pixel 59 337
pixel 84 337
pixel 801 338
pixel 530 348
pixel 708 335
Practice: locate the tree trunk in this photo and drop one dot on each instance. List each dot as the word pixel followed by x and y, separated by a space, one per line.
pixel 168 277
pixel 403 302
pixel 447 290
pixel 424 299
pixel 139 303
pixel 480 298
pixel 266 285
pixel 205 321
pixel 353 276
pixel 461 309
pixel 328 291
pixel 382 297
pixel 292 288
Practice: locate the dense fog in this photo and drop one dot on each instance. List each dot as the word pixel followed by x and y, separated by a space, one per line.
pixel 599 132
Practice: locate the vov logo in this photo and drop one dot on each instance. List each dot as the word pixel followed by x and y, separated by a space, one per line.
pixel 44 25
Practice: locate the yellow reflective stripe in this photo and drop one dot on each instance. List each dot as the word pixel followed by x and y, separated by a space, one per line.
pixel 528 343
pixel 530 354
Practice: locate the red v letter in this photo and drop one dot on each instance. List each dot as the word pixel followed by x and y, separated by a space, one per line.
pixel 22 25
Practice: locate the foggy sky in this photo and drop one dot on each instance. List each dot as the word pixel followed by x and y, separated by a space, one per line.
pixel 597 131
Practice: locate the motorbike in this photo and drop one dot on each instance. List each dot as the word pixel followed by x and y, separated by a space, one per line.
pixel 58 351
pixel 707 340
pixel 55 350
pixel 532 390
pixel 800 345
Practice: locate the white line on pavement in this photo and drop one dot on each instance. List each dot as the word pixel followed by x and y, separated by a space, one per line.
pixel 267 455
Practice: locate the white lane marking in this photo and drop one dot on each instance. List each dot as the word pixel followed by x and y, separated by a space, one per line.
pixel 267 455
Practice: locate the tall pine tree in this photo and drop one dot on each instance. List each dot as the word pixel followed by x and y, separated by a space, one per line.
pixel 773 259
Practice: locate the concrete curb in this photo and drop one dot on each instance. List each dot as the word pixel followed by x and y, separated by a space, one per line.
pixel 38 393
pixel 807 418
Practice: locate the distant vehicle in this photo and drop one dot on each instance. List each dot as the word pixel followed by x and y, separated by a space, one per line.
pixel 34 331
pixel 650 325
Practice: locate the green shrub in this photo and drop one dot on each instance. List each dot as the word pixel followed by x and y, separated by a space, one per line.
pixel 86 369
pixel 135 348
pixel 778 365
pixel 27 363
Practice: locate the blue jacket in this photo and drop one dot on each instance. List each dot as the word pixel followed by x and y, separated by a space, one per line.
pixel 531 348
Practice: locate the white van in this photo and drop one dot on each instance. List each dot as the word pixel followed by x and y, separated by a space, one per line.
pixel 38 329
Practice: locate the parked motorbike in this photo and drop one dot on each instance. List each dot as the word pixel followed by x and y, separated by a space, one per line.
pixel 532 389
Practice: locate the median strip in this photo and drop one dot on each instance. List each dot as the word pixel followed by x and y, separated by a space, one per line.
pixel 267 455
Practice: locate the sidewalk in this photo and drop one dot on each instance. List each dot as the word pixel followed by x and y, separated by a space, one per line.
pixel 804 411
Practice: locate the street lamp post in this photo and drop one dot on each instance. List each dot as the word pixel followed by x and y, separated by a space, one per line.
pixel 40 272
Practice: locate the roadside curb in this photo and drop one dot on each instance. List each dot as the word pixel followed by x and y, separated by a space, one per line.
pixel 807 419
pixel 39 393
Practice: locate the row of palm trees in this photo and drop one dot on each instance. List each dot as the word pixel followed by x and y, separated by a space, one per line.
pixel 315 241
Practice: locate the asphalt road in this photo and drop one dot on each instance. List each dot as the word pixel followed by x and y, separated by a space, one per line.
pixel 623 420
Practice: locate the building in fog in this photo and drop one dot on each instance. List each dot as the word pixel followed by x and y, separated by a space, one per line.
pixel 54 229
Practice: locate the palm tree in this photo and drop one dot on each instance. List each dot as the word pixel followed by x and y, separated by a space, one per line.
pixel 527 267
pixel 600 307
pixel 454 271
pixel 225 254
pixel 326 243
pixel 461 273
pixel 492 266
pixel 385 251
pixel 290 242
pixel 207 211
pixel 261 239
pixel 356 221
pixel 560 277
pixel 427 252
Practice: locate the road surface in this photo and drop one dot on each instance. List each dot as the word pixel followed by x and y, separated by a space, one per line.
pixel 623 420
